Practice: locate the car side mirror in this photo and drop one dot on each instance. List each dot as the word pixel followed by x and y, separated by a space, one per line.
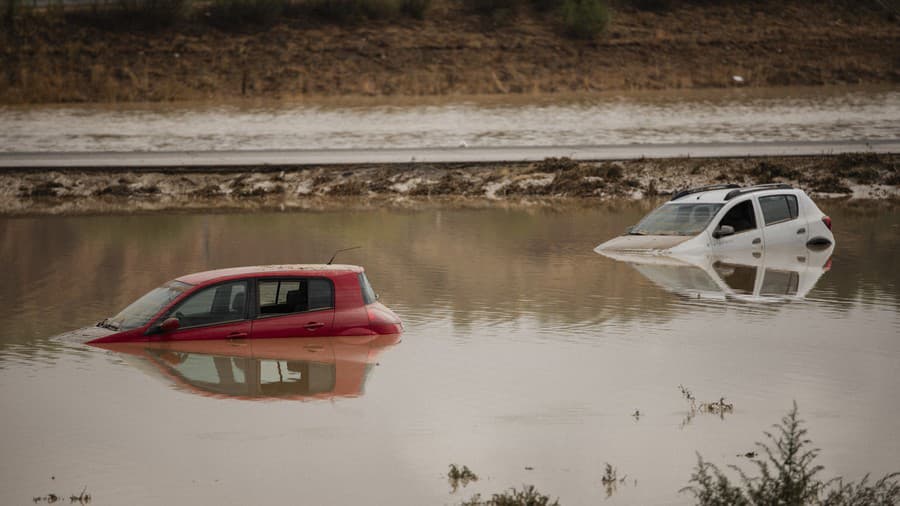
pixel 629 230
pixel 723 231
pixel 169 325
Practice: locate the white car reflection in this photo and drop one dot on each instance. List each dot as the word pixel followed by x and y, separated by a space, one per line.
pixel 772 274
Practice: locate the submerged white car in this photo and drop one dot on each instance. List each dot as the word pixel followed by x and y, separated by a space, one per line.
pixel 727 218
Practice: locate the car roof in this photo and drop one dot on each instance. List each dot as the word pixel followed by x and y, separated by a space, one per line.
pixel 718 195
pixel 205 277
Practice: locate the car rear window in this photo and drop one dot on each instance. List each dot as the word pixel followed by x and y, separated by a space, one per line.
pixel 778 208
pixel 368 293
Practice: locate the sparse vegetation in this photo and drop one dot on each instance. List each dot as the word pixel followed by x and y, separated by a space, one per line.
pixel 460 476
pixel 787 474
pixel 528 496
pixel 585 19
pixel 719 407
pixel 767 172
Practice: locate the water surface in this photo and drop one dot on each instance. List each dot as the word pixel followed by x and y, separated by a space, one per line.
pixel 698 116
pixel 523 348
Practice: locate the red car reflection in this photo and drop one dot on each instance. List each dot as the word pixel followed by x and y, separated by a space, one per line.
pixel 297 369
pixel 263 302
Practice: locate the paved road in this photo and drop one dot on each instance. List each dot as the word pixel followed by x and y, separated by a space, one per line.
pixel 235 159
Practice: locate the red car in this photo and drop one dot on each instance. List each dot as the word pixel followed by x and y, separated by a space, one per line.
pixel 262 302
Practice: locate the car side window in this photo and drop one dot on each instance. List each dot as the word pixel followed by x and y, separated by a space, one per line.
pixel 741 217
pixel 286 296
pixel 217 304
pixel 778 208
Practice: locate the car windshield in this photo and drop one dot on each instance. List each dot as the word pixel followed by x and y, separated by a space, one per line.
pixel 142 310
pixel 677 219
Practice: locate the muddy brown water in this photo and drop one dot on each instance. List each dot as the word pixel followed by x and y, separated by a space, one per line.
pixel 678 117
pixel 525 355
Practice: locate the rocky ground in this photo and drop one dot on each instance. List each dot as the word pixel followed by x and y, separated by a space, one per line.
pixel 552 181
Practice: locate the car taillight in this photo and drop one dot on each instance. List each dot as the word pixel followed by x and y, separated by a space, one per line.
pixel 377 316
pixel 827 266
pixel 827 221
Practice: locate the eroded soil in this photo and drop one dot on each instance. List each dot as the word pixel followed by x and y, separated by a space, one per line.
pixel 854 176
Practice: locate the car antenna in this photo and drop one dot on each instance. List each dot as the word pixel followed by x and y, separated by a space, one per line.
pixel 341 250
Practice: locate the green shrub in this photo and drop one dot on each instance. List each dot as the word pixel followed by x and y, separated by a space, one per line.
pixel 787 475
pixel 239 13
pixel 584 19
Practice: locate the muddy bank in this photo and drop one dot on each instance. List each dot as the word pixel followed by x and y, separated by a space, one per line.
pixel 854 176
pixel 453 51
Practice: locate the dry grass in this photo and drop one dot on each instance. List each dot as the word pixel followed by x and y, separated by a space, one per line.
pixel 56 58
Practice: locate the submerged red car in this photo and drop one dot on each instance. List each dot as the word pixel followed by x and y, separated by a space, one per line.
pixel 262 302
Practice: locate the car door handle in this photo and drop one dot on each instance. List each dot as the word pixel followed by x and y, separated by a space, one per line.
pixel 237 335
pixel 801 231
pixel 757 240
pixel 313 325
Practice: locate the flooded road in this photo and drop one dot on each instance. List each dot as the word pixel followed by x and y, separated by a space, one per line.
pixel 524 356
pixel 686 117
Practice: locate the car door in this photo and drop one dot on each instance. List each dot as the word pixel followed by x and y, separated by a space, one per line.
pixel 782 223
pixel 742 217
pixel 293 307
pixel 215 312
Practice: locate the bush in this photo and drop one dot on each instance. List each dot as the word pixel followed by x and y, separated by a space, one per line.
pixel 787 475
pixel 238 13
pixel 584 19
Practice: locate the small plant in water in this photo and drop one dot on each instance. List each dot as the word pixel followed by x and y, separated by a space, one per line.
pixel 609 479
pixel 460 476
pixel 528 496
pixel 719 407
pixel 787 474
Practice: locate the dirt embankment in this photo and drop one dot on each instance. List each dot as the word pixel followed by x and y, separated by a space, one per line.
pixel 452 51
pixel 858 176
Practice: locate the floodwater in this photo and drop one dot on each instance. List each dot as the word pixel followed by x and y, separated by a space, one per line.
pixel 704 116
pixel 524 357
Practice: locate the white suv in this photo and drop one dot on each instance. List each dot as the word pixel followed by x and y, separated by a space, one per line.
pixel 726 218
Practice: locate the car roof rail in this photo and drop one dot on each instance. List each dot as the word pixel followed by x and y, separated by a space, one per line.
pixel 707 188
pixel 758 188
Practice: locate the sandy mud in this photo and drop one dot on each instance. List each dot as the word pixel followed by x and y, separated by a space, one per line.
pixel 850 176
